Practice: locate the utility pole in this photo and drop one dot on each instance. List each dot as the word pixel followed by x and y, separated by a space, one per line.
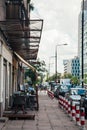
pixel 56 59
pixel 82 42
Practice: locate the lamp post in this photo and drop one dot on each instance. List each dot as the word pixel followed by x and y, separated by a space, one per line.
pixel 50 63
pixel 56 59
pixel 82 42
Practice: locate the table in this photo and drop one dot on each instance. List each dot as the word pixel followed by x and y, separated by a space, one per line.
pixel 22 101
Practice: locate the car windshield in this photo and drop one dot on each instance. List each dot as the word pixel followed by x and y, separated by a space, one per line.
pixel 78 91
pixel 56 87
pixel 74 92
pixel 81 92
pixel 78 86
pixel 64 88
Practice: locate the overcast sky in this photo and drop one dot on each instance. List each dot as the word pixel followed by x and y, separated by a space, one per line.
pixel 60 26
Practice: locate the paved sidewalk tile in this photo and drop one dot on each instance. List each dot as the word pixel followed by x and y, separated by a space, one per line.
pixel 49 117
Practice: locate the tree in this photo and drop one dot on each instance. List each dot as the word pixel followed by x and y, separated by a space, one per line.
pixel 85 78
pixel 67 75
pixel 31 6
pixel 40 67
pixel 75 80
pixel 31 75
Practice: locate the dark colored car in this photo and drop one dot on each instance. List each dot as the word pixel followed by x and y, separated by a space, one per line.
pixel 52 85
pixel 84 104
pixel 61 90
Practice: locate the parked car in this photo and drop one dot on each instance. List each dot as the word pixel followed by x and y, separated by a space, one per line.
pixel 76 95
pixel 75 98
pixel 61 90
pixel 78 86
pixel 53 85
pixel 78 91
pixel 84 104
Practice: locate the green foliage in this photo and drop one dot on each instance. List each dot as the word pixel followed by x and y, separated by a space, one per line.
pixel 40 70
pixel 40 67
pixel 75 80
pixel 67 76
pixel 31 74
pixel 31 6
pixel 85 78
pixel 28 1
pixel 53 77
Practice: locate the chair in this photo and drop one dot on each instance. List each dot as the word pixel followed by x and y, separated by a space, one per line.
pixel 30 101
pixel 19 102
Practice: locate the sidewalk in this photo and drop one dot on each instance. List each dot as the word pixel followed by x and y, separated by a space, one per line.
pixel 49 117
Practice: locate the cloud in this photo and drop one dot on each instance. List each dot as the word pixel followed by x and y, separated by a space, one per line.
pixel 60 26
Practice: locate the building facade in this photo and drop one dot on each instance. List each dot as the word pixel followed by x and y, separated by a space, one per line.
pixel 75 67
pixel 5 66
pixel 19 43
pixel 72 67
pixel 84 40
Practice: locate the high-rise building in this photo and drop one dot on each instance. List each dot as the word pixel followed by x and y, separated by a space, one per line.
pixel 65 63
pixel 72 67
pixel 84 39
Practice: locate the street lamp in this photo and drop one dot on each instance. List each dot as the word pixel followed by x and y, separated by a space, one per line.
pixel 82 40
pixel 50 63
pixel 56 59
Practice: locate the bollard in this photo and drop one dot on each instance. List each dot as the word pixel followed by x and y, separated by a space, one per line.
pixel 59 100
pixel 73 110
pixel 82 116
pixel 69 108
pixel 50 94
pixel 63 103
pixel 77 114
pixel 47 93
pixel 66 106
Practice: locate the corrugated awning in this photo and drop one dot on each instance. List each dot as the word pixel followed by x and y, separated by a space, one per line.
pixel 23 36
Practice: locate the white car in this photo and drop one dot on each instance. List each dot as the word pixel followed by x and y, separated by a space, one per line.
pixel 76 94
pixel 75 98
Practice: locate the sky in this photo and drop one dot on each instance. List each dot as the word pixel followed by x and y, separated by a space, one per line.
pixel 60 26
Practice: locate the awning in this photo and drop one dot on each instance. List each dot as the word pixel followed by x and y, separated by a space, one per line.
pixel 26 63
pixel 23 36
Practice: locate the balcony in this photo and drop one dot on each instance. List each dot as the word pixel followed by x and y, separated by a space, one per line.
pixel 22 39
pixel 21 33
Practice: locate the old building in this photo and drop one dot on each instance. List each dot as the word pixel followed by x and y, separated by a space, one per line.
pixel 19 42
